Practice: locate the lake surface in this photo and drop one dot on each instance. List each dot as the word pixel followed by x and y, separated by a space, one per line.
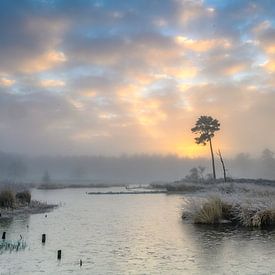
pixel 130 234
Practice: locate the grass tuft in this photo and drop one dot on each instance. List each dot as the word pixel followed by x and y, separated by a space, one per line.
pixel 210 212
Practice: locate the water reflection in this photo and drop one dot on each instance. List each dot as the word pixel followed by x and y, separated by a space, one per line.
pixel 140 234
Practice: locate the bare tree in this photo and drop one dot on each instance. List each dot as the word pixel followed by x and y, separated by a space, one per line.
pixel 206 126
pixel 223 165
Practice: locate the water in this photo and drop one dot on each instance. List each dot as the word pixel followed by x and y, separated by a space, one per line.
pixel 130 234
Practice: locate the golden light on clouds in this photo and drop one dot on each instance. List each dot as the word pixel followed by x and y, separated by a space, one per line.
pixel 88 93
pixel 270 66
pixel 50 83
pixel 144 79
pixel 107 116
pixel 148 112
pixel 146 82
pixel 203 45
pixel 4 81
pixel 44 62
pixel 270 49
pixel 182 72
pixel 234 69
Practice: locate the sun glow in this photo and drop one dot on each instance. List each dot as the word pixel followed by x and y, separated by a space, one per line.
pixel 191 150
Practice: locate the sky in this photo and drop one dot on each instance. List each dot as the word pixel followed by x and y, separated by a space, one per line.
pixel 130 77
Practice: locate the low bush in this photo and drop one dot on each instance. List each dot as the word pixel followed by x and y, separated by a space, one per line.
pixel 7 199
pixel 23 197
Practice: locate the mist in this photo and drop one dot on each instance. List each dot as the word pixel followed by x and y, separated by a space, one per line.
pixel 128 168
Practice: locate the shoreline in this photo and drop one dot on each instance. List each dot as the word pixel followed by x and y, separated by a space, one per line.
pixel 74 186
pixel 128 193
pixel 35 207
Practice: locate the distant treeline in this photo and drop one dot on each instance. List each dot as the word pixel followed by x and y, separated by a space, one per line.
pixel 126 168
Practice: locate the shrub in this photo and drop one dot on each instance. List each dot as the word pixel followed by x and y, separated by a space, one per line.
pixel 7 198
pixel 24 197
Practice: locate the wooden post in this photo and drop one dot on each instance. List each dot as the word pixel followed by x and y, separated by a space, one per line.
pixel 4 235
pixel 59 254
pixel 80 262
pixel 43 238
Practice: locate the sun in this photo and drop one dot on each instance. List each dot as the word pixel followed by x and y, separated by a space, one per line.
pixel 191 150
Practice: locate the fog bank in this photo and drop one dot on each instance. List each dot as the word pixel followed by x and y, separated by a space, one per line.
pixel 128 168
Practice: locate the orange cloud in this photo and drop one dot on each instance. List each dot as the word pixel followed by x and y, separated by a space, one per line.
pixel 234 69
pixel 44 62
pixel 4 81
pixel 182 72
pixel 50 83
pixel 270 66
pixel 88 93
pixel 202 45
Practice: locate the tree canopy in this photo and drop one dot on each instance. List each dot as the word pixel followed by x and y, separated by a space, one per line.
pixel 206 126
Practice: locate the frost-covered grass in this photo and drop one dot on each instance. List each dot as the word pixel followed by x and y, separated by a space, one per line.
pixel 254 187
pixel 248 205
pixel 250 189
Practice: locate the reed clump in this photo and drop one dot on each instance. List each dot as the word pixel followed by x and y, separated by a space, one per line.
pixel 215 210
pixel 257 217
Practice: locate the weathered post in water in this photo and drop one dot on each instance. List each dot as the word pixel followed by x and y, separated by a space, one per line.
pixel 4 235
pixel 59 254
pixel 43 238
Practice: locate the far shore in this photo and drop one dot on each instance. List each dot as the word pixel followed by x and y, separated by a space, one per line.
pixel 53 186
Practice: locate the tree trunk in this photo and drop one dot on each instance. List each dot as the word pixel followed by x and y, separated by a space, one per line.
pixel 213 160
pixel 223 166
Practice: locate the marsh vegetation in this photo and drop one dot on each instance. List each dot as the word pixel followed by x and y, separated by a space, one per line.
pixel 13 203
pixel 246 205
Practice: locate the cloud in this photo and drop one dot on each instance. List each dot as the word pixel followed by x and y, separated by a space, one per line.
pixel 4 81
pixel 111 77
pixel 264 35
pixel 50 83
pixel 203 45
